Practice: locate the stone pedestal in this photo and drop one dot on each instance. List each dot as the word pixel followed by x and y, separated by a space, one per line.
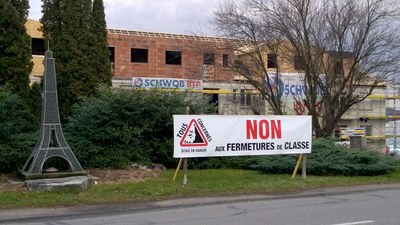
pixel 78 183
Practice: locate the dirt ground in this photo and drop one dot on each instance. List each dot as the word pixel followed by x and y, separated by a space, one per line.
pixel 105 176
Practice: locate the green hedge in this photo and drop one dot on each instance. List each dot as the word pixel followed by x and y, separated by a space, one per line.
pixel 18 130
pixel 117 127
pixel 326 158
pixel 112 129
pixel 16 151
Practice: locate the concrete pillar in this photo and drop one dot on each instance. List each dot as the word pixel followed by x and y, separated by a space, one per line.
pixel 356 142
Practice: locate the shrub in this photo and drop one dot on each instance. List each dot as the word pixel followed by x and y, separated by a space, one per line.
pixel 118 126
pixel 17 134
pixel 14 154
pixel 330 159
pixel 12 115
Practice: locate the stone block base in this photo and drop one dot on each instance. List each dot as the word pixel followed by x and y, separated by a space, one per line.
pixel 78 183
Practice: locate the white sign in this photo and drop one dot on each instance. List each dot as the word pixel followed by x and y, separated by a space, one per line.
pixel 217 135
pixel 345 133
pixel 169 83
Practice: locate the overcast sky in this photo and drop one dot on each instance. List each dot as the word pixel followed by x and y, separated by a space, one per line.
pixel 168 16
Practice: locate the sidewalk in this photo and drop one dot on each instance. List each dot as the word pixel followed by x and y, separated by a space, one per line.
pixel 27 213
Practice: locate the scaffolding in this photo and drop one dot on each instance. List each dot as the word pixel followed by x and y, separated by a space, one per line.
pixel 393 122
pixel 379 115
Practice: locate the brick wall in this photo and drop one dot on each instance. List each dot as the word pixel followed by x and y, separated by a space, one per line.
pixel 192 52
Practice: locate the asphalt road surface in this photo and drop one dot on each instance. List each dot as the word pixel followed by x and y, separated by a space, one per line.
pixel 374 207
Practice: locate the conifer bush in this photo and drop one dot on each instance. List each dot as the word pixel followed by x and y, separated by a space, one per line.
pixel 327 158
pixel 117 127
pixel 18 133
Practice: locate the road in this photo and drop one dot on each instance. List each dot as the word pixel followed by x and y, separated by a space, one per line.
pixel 376 207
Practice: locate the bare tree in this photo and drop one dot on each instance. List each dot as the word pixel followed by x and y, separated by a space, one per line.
pixel 244 26
pixel 346 48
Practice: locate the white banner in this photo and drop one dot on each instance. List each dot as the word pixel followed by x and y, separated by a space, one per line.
pixel 217 135
pixel 292 91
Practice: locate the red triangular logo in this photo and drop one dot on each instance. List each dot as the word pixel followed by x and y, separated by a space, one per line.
pixel 193 136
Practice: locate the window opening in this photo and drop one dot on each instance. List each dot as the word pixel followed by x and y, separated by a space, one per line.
pixel 209 58
pixel 139 55
pixel 298 63
pixel 234 96
pixel 245 98
pixel 225 60
pixel 112 54
pixel 271 63
pixel 38 46
pixel 338 70
pixel 173 57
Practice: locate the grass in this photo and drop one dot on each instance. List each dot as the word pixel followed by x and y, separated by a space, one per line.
pixel 200 183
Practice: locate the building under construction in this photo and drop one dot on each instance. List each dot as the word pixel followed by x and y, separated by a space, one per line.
pixel 200 64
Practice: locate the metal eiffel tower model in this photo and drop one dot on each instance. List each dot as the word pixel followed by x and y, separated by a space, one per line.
pixel 51 142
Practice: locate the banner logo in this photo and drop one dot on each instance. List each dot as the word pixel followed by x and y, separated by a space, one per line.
pixel 194 136
pixel 276 86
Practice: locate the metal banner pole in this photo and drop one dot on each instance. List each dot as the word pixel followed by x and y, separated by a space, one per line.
pixel 185 161
pixel 184 182
pixel 304 167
